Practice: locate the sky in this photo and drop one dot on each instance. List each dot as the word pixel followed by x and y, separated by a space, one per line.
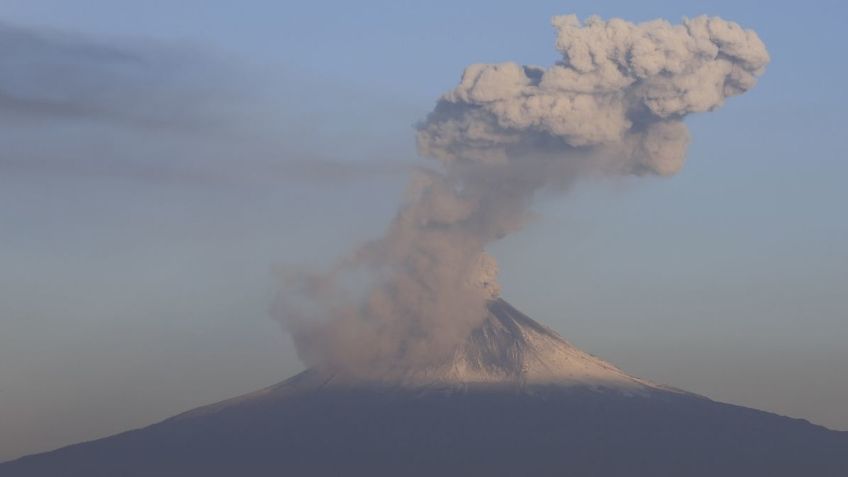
pixel 200 146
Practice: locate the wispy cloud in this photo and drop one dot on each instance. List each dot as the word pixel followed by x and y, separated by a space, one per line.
pixel 150 111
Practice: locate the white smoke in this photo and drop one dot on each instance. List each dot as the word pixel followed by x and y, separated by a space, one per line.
pixel 614 105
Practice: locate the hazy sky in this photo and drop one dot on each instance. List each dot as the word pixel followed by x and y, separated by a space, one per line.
pixel 179 151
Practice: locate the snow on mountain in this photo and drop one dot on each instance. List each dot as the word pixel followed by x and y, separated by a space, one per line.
pixel 509 350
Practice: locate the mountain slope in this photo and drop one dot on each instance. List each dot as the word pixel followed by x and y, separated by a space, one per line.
pixel 515 399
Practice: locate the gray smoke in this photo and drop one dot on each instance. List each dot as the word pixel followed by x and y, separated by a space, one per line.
pixel 613 105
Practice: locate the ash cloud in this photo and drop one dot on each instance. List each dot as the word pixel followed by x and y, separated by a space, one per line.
pixel 613 105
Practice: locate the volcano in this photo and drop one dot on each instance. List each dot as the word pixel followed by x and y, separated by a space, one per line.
pixel 515 400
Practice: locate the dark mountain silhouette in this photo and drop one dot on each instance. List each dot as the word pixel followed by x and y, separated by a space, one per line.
pixel 516 400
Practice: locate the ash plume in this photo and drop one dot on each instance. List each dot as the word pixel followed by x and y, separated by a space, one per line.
pixel 614 105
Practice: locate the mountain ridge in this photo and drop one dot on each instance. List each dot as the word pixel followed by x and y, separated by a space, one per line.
pixel 496 408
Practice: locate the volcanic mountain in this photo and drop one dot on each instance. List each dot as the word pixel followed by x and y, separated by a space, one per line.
pixel 515 400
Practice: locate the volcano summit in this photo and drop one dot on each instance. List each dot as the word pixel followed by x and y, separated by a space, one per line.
pixel 515 399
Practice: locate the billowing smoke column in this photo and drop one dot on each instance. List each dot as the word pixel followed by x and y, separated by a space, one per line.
pixel 614 105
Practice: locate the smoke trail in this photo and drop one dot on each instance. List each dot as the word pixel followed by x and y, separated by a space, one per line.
pixel 614 105
pixel 52 76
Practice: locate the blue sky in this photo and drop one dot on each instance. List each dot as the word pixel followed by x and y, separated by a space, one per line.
pixel 136 268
